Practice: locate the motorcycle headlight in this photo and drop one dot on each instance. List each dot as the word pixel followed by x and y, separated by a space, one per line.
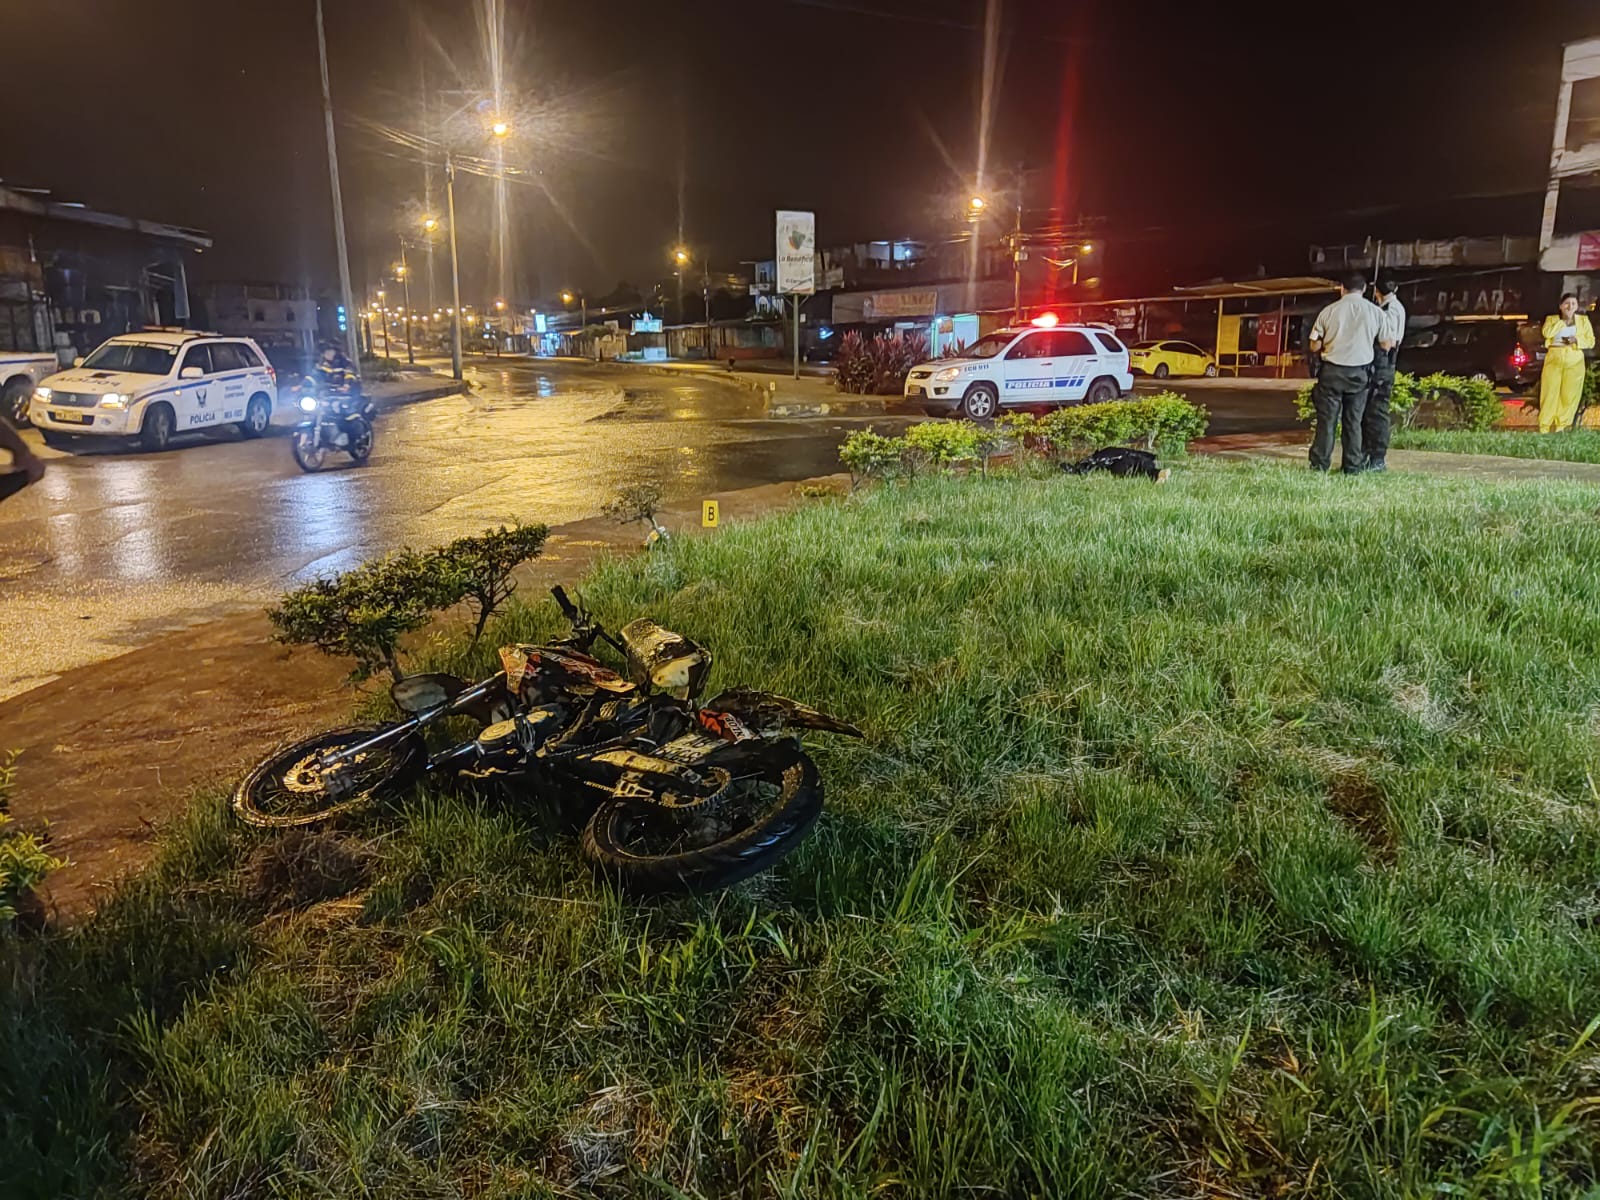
pixel 42 393
pixel 113 400
pixel 946 375
pixel 308 404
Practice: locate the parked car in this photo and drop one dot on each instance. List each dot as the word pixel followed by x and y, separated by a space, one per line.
pixel 20 372
pixel 1504 353
pixel 157 384
pixel 1172 358
pixel 1041 363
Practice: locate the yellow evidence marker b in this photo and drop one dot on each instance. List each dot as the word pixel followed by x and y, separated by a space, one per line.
pixel 708 514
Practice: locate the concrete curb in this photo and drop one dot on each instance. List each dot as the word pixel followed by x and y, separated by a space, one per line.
pixel 777 392
pixel 413 395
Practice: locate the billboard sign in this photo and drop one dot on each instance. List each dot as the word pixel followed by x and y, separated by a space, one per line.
pixel 797 250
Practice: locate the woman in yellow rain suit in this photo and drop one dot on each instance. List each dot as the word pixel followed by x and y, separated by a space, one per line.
pixel 1566 336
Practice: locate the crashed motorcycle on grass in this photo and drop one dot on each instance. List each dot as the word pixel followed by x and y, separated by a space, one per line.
pixel 672 795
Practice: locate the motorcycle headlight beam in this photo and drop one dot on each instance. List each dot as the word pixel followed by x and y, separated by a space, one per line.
pixel 308 404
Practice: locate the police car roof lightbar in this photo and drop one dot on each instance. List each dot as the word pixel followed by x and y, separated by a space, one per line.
pixel 1046 320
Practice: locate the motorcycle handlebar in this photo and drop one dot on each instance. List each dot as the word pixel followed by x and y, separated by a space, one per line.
pixel 566 605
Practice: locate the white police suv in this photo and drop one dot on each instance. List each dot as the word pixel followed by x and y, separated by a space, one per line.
pixel 1043 362
pixel 156 384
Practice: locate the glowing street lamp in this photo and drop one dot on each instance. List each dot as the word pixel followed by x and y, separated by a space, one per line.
pixel 567 297
pixel 976 205
pixel 429 224
pixel 500 129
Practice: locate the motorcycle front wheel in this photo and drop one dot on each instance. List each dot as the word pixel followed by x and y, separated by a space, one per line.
pixel 291 788
pixel 308 450
pixel 772 798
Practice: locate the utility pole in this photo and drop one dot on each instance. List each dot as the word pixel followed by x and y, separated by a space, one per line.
pixel 1016 255
pixel 405 279
pixel 351 347
pixel 706 295
pixel 794 299
pixel 455 267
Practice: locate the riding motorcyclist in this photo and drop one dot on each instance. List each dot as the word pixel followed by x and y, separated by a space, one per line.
pixel 334 374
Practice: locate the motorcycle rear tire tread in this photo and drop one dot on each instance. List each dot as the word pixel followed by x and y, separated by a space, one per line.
pixel 709 868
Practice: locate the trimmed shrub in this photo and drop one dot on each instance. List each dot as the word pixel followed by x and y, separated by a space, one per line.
pixel 363 614
pixel 870 455
pixel 481 567
pixel 1403 400
pixel 1475 404
pixel 944 443
pixel 24 862
pixel 1165 423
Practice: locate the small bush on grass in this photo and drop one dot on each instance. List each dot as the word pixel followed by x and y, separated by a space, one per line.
pixel 24 861
pixel 1406 398
pixel 944 443
pixel 870 455
pixel 1165 422
pixel 364 613
pixel 639 503
pixel 481 567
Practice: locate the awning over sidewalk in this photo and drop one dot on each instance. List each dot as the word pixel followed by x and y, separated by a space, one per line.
pixel 1279 288
pixel 1286 285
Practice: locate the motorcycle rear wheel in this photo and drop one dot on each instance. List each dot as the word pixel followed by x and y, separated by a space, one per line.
pixel 361 444
pixel 289 789
pixel 640 848
pixel 309 453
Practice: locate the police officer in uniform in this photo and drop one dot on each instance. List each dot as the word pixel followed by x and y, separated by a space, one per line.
pixel 1347 335
pixel 1375 422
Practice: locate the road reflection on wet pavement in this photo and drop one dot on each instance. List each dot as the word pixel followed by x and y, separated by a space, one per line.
pixel 114 548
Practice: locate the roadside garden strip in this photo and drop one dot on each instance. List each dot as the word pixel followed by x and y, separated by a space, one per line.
pixel 1232 836
pixel 111 752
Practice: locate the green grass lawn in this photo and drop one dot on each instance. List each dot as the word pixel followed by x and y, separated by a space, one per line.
pixel 1578 445
pixel 1237 836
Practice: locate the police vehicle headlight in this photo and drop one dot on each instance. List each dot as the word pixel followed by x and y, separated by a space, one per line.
pixel 946 375
pixel 308 404
pixel 42 393
pixel 113 400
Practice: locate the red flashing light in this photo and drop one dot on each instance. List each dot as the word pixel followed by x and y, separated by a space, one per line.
pixel 1519 358
pixel 1047 320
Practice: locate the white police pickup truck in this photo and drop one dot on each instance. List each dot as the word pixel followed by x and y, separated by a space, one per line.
pixel 1041 363
pixel 20 373
pixel 157 384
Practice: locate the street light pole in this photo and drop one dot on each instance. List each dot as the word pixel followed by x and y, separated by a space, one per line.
pixel 455 268
pixel 405 278
pixel 345 294
pixel 705 294
pixel 1016 257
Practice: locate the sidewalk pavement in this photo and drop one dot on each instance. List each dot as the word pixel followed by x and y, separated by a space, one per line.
pixel 409 388
pixel 1245 383
pixel 1290 449
pixel 812 395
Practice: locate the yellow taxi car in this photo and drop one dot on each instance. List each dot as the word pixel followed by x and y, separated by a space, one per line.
pixel 1171 358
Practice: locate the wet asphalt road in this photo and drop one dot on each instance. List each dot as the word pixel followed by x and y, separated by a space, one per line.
pixel 112 549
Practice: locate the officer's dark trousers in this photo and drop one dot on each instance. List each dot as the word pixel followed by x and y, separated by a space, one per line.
pixel 1340 399
pixel 1375 421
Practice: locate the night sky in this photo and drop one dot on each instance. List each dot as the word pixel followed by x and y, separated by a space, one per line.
pixel 1210 123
